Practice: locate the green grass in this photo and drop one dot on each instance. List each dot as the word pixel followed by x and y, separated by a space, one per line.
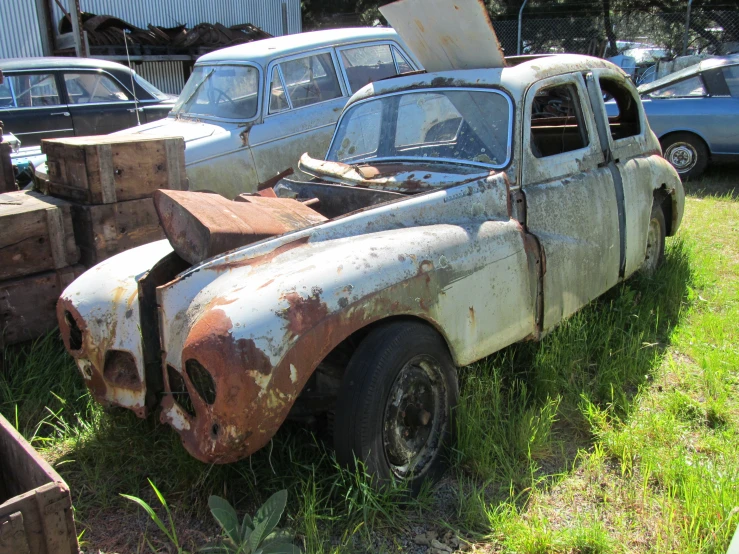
pixel 617 433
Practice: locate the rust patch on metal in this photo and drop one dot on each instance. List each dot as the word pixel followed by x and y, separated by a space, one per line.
pixel 303 313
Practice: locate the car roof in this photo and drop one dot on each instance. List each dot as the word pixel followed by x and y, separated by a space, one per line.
pixel 709 63
pixel 15 64
pixel 515 79
pixel 265 50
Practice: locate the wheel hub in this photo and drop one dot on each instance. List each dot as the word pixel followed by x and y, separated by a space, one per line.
pixel 682 156
pixel 414 416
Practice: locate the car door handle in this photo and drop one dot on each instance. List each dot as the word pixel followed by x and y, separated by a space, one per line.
pixel 132 110
pixel 65 114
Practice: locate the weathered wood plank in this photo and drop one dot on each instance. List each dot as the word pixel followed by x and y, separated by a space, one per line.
pixel 108 169
pixel 200 225
pixel 28 304
pixel 37 234
pixel 107 229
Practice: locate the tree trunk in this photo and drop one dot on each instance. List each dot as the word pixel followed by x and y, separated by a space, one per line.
pixel 610 35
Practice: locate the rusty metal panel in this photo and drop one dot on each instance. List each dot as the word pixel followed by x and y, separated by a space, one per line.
pixel 170 13
pixel 20 36
pixel 446 35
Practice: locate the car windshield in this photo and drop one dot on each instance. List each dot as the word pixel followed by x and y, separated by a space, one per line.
pixel 148 87
pixel 221 91
pixel 470 126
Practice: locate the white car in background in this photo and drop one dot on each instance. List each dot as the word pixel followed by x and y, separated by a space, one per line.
pixel 249 112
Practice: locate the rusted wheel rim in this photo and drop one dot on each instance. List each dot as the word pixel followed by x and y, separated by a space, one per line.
pixel 682 156
pixel 415 418
pixel 654 238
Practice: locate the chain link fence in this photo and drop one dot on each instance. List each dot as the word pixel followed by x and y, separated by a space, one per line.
pixel 709 32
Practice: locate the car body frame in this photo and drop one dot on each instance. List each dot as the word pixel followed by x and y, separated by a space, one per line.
pixel 484 249
pixel 60 97
pixel 297 85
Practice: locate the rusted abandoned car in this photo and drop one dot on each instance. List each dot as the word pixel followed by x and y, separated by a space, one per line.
pixel 456 213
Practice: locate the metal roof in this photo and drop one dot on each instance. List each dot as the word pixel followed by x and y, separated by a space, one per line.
pixel 514 79
pixel 263 51
pixel 56 62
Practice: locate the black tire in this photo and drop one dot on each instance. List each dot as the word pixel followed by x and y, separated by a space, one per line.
pixel 395 404
pixel 654 254
pixel 687 153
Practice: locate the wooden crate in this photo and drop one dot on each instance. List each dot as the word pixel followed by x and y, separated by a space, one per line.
pixel 28 304
pixel 104 230
pixel 108 169
pixel 35 504
pixel 37 234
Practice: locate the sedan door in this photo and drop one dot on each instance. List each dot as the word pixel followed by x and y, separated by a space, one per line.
pixel 32 108
pixel 571 204
pixel 99 104
pixel 304 100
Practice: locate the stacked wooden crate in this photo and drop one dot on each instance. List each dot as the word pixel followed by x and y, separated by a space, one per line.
pixel 38 259
pixel 109 181
pixel 96 203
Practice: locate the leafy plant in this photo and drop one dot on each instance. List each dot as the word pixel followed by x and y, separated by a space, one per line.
pixel 253 536
pixel 170 533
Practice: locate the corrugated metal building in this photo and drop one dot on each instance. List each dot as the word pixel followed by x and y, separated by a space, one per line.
pixel 24 31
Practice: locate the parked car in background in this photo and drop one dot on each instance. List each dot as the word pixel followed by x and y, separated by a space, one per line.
pixel 64 97
pixel 249 111
pixel 695 114
pixel 464 210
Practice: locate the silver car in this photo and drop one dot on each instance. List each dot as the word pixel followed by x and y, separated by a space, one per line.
pixel 248 112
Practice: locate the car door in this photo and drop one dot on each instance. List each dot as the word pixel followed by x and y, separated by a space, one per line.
pixel 304 99
pixel 723 88
pixel 570 199
pixel 627 145
pixel 99 104
pixel 32 108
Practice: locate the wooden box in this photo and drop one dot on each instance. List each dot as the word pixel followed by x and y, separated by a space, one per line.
pixel 37 234
pixel 28 304
pixel 104 230
pixel 108 169
pixel 35 505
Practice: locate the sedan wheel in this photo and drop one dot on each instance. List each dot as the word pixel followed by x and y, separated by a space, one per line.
pixel 687 154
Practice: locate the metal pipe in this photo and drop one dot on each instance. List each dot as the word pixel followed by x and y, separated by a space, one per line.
pixel 520 16
pixel 687 28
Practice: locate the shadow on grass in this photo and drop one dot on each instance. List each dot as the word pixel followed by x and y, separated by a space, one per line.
pixel 523 412
pixel 718 180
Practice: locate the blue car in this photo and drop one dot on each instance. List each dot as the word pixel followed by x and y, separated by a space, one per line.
pixel 695 114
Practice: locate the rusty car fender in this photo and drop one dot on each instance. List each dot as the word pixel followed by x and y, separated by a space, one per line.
pixel 98 315
pixel 261 329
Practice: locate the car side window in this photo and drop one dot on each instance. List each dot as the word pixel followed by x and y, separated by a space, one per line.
pixel 308 80
pixel 404 66
pixel 626 123
pixel 366 64
pixel 93 88
pixel 685 88
pixel 557 124
pixel 34 90
pixel 277 98
pixel 731 75
pixel 6 95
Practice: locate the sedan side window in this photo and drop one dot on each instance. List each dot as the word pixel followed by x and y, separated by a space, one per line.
pixel 308 80
pixel 93 88
pixel 688 87
pixel 37 90
pixel 557 124
pixel 367 64
pixel 731 74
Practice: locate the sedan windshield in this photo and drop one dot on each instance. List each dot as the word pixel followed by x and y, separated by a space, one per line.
pixel 221 91
pixel 453 125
